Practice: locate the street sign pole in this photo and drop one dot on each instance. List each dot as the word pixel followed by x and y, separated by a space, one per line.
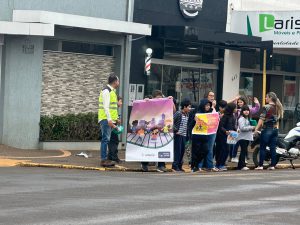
pixel 264 78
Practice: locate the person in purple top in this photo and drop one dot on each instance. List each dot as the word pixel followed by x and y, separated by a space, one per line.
pixel 242 101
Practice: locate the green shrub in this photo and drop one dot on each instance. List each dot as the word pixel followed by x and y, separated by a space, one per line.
pixel 70 127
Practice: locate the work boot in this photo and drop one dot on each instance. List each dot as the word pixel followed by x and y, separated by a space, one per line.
pixel 106 163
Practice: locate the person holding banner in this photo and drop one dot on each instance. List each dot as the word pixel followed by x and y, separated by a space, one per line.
pixel 161 166
pixel 208 162
pixel 200 141
pixel 180 120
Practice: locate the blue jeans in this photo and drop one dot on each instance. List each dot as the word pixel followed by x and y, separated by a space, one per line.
pixel 268 137
pixel 106 132
pixel 209 159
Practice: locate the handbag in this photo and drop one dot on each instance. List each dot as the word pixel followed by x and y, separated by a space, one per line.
pixel 232 138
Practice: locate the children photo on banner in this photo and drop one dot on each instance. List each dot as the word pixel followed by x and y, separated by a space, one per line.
pixel 150 131
pixel 206 123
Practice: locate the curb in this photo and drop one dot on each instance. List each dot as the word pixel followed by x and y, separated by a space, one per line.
pixel 63 166
pixel 121 168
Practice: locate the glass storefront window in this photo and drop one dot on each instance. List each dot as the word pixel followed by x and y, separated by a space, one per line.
pixel 190 52
pixel 154 80
pixel 284 63
pixel 171 77
pixel 246 86
pixel 289 97
pixel 182 82
pixel 190 84
pixel 289 102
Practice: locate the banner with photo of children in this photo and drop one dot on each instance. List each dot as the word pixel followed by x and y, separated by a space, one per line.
pixel 150 131
pixel 206 123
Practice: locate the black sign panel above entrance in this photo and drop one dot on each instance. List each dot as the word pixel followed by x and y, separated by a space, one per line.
pixel 190 8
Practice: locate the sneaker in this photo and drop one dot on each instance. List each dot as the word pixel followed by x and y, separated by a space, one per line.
pixel 161 169
pixel 118 161
pixel 235 160
pixel 106 163
pixel 213 169
pixel 195 170
pixel 245 168
pixel 222 168
pixel 144 168
pixel 176 170
pixel 271 168
pixel 182 170
pixel 259 168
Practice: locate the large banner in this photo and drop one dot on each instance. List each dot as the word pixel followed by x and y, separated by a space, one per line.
pixel 150 133
pixel 281 27
pixel 206 123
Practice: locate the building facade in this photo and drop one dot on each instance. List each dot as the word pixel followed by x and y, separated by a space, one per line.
pixel 55 56
pixel 271 20
pixel 189 48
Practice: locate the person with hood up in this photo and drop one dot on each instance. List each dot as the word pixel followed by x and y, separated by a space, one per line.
pixel 226 126
pixel 199 142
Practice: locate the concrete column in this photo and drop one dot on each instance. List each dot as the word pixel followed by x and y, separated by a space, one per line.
pixel 22 83
pixel 126 68
pixel 1 95
pixel 231 77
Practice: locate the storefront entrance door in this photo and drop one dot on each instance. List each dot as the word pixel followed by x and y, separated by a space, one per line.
pixel 182 82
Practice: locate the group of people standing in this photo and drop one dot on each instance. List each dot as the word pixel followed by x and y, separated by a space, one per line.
pixel 234 116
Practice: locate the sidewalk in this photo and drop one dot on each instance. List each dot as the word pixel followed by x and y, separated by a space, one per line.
pixel 67 159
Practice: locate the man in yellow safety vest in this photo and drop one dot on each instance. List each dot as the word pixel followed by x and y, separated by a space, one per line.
pixel 108 115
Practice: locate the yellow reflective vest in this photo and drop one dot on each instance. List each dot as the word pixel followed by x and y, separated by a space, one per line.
pixel 113 106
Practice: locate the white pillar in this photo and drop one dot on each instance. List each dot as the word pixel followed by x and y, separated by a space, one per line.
pixel 231 77
pixel 1 96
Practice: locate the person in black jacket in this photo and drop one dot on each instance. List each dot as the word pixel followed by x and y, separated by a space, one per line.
pixel 227 124
pixel 180 120
pixel 199 142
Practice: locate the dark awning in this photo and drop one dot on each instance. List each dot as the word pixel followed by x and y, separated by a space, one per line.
pixel 224 40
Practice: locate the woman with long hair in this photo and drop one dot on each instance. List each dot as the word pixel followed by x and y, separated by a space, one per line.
pixel 269 121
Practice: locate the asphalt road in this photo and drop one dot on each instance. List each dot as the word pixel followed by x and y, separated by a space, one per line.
pixel 39 196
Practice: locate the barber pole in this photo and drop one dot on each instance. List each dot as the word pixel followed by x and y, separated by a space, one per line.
pixel 148 61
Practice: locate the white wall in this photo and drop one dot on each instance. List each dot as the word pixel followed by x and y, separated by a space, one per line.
pixel 264 5
pixel 260 5
pixel 232 58
pixel 231 78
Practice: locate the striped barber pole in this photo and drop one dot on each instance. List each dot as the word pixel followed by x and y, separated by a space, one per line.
pixel 148 64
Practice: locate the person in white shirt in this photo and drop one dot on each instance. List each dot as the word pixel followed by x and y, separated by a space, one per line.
pixel 108 115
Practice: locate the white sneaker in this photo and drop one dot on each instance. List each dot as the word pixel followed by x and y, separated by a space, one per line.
pixel 245 168
pixel 223 168
pixel 259 168
pixel 235 160
pixel 271 168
